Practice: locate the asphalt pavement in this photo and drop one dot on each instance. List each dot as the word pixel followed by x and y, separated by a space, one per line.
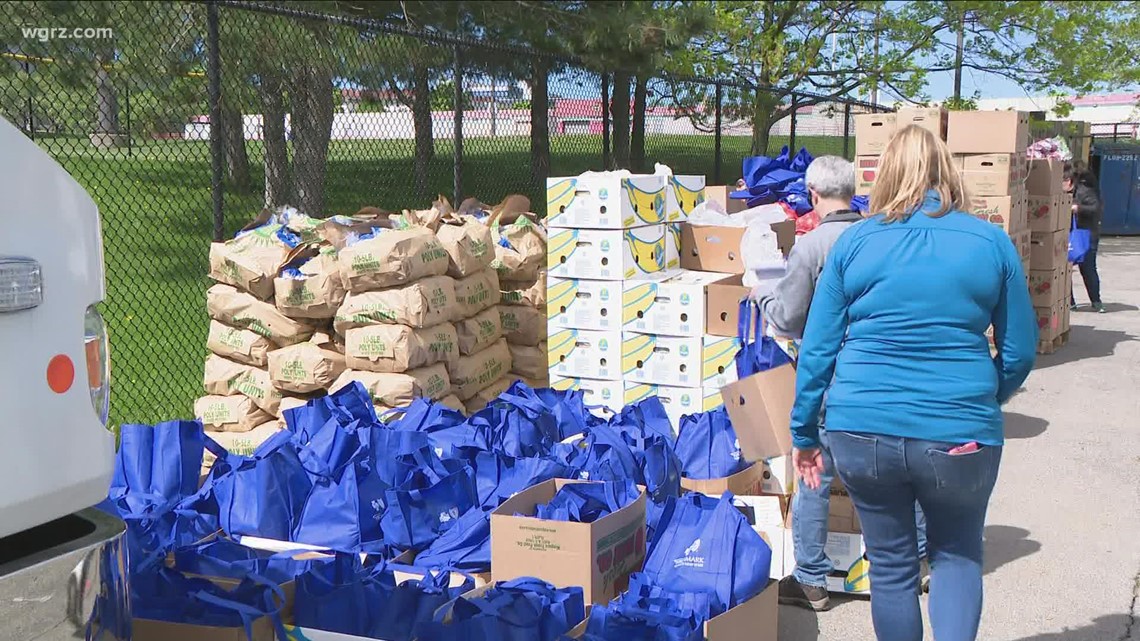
pixel 1063 530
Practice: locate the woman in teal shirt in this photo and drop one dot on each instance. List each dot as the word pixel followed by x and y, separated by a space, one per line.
pixel 896 338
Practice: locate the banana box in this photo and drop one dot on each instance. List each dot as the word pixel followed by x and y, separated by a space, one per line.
pixel 585 353
pixel 683 196
pixel 604 398
pixel 606 200
pixel 672 245
pixel 674 306
pixel 662 360
pixel 677 401
pixel 718 361
pixel 573 303
pixel 779 476
pixel 607 254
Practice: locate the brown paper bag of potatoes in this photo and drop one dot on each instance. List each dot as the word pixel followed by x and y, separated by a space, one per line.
pixel 468 245
pixel 477 292
pixel 391 389
pixel 523 325
pixel 393 257
pixel 476 372
pixel 315 288
pixel 249 261
pixel 241 345
pixel 525 253
pixel 226 304
pixel 243 443
pixel 398 348
pixel 291 402
pixel 483 397
pixel 479 331
pixel 224 377
pixel 540 382
pixel 452 401
pixel 526 293
pixel 529 361
pixel 424 303
pixel 305 367
pixel 235 413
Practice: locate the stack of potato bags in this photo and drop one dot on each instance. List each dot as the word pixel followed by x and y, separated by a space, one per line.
pixel 520 259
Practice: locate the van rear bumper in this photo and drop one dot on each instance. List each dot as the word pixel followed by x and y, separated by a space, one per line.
pixel 74 586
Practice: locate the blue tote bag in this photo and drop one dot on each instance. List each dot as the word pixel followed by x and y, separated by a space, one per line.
pixel 229 559
pixel 498 477
pixel 758 353
pixel 156 466
pixel 465 547
pixel 588 502
pixel 1080 242
pixel 425 507
pixel 414 602
pixel 525 609
pixel 721 555
pixel 168 595
pixel 338 596
pixel 708 447
pixel 348 404
pixel 264 494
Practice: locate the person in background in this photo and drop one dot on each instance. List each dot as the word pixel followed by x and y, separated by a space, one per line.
pixel 896 339
pixel 831 185
pixel 1087 209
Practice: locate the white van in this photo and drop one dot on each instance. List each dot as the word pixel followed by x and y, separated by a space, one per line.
pixel 56 451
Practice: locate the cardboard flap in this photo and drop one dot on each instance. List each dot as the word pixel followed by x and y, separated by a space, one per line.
pixel 760 407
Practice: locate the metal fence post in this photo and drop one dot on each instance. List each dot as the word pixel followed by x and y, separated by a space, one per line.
pixel 31 111
pixel 605 121
pixel 717 140
pixel 214 82
pixel 458 129
pixel 847 130
pixel 792 126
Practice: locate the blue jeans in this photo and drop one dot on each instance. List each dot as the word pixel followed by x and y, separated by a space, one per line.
pixel 809 525
pixel 885 475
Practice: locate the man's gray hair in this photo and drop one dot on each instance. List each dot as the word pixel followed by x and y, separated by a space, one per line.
pixel 831 177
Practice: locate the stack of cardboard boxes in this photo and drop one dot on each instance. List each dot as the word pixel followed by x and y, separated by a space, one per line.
pixel 874 131
pixel 1050 278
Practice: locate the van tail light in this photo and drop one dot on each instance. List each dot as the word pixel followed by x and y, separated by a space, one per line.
pixel 21 284
pixel 98 362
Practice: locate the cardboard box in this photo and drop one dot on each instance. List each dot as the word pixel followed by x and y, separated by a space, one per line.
pixel 682 195
pixel 845 547
pixel 720 193
pixel 598 556
pixel 1021 242
pixel 607 394
pixel 674 306
pixel 711 248
pixel 585 353
pixel 662 360
pixel 779 476
pixel 718 361
pixel 677 401
pixel 780 540
pixel 760 407
pixel 987 132
pixel 873 132
pixel 1048 321
pixel 932 119
pixel 722 306
pixel 575 303
pixel 1045 176
pixel 1050 213
pixel 1049 250
pixel 993 174
pixel 1045 286
pixel 1008 212
pixel 743 483
pixel 866 171
pixel 605 200
pixel 672 246
pixel 1067 273
pixel 606 254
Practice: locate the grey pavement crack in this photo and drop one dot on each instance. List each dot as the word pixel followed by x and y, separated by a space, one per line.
pixel 1131 624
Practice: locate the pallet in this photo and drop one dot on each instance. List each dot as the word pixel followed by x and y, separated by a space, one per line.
pixel 1048 347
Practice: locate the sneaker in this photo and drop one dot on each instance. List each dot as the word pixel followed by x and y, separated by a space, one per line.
pixel 813 597
pixel 1099 307
pixel 924 576
pixel 1074 307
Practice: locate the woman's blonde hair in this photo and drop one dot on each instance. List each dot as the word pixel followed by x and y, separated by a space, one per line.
pixel 915 162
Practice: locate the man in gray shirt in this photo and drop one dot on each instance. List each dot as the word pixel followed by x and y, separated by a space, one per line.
pixel 831 185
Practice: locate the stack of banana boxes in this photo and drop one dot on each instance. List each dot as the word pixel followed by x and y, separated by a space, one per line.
pixel 624 320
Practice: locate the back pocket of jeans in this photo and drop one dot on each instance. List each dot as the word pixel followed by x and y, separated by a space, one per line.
pixel 854 454
pixel 967 472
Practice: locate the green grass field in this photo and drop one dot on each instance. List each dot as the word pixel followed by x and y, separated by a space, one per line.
pixel 157 225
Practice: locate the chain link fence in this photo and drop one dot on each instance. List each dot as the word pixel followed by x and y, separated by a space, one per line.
pixel 184 120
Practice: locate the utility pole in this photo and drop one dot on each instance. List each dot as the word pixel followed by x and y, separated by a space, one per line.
pixel 875 61
pixel 958 58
